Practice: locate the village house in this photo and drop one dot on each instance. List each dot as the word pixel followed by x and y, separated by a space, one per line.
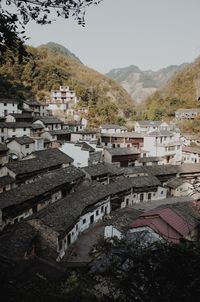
pixel 57 135
pixel 8 106
pixel 37 163
pixel 122 140
pixel 162 172
pixel 189 139
pixel 19 117
pixel 60 224
pixel 36 130
pixel 103 173
pixel 21 146
pixel 21 202
pixel 150 126
pixel 179 187
pixel 171 222
pixel 191 113
pixel 111 129
pixel 62 101
pixel 150 161
pixel 6 183
pixel 190 154
pixel 189 171
pixel 122 157
pixel 3 154
pixel 49 122
pixel 86 135
pixel 73 126
pixel 164 143
pixel 36 108
pixel 8 130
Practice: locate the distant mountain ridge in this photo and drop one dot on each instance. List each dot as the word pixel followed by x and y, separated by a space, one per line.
pixel 60 49
pixel 140 84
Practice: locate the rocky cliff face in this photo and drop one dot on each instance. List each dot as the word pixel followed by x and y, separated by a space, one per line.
pixel 140 84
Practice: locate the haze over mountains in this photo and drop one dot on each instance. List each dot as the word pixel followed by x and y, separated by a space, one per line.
pixel 140 84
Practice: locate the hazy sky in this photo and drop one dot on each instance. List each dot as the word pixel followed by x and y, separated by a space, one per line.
pixel 148 33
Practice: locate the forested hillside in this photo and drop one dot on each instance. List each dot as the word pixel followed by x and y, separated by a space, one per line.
pixel 182 91
pixel 49 66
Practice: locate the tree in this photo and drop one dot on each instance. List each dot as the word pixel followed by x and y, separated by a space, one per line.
pixel 15 14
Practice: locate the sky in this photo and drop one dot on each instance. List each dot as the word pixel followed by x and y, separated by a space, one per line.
pixel 150 34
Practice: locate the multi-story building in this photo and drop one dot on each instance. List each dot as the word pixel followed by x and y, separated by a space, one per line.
pixel 165 144
pixel 8 106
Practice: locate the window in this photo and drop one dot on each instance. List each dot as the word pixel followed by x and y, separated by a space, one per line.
pixel 97 213
pixel 24 129
pixel 5 104
pixel 161 192
pixel 77 227
pixel 2 130
pixel 149 196
pixel 84 221
pixel 13 129
pixel 102 209
pixel 13 105
pixel 141 197
pixel 27 146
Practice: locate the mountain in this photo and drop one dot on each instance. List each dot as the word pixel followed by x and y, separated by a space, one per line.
pixel 182 91
pixel 59 49
pixel 140 84
pixel 51 65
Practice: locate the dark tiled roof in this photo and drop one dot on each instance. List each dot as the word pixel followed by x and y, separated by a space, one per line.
pixel 23 140
pixel 156 170
pixel 122 151
pixel 6 180
pixel 113 126
pixel 43 160
pixel 44 184
pixel 150 159
pixel 124 134
pixel 48 120
pixel 52 154
pixel 37 126
pixel 2 100
pixel 21 115
pixel 160 133
pixel 62 215
pixel 176 182
pixel 149 123
pixel 87 147
pixel 102 169
pixel 189 168
pixel 3 148
pixel 15 125
pixel 15 243
pixel 86 131
pixel 59 132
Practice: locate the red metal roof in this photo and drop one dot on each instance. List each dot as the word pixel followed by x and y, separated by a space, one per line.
pixel 166 222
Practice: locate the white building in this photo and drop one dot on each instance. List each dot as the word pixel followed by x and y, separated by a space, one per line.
pixel 37 109
pixel 190 154
pixel 164 144
pixel 150 126
pixel 84 136
pixel 21 146
pixel 49 123
pixel 8 130
pixel 62 101
pixel 179 187
pixel 8 106
pixel 187 113
pixel 111 129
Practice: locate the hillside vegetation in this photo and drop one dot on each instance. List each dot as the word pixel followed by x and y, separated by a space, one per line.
pixel 51 65
pixel 182 91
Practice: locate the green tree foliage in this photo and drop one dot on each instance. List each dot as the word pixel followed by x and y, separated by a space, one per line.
pixel 43 70
pixel 182 91
pixel 15 14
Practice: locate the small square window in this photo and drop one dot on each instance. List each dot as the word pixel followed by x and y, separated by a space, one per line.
pixel 84 221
